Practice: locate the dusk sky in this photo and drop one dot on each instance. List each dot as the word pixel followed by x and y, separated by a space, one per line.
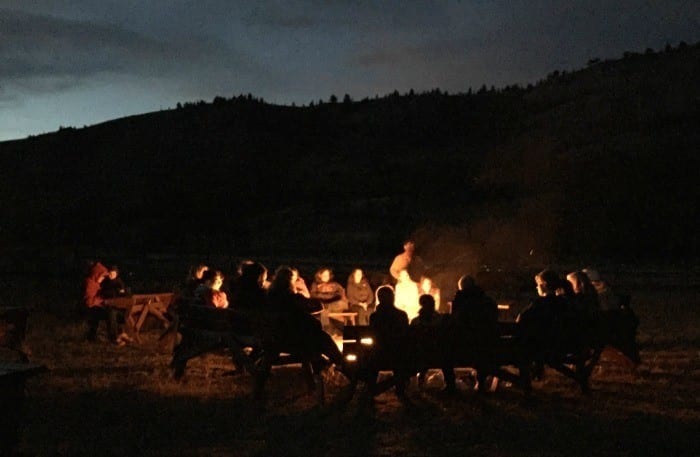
pixel 81 62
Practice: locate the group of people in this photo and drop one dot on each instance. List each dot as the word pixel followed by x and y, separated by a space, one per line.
pixel 409 307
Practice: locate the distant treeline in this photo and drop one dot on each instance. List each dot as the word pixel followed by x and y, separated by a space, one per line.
pixel 598 163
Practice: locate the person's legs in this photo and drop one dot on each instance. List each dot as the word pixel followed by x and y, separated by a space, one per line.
pixel 94 315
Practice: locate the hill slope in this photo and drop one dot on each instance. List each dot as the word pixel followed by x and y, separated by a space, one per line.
pixel 600 163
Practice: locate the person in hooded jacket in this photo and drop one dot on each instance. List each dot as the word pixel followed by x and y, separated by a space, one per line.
pixel 97 309
pixel 360 296
pixel 331 295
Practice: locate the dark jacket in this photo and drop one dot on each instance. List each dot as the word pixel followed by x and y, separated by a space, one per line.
pixel 359 292
pixel 390 325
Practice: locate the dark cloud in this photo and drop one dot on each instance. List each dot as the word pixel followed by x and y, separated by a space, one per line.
pixel 47 53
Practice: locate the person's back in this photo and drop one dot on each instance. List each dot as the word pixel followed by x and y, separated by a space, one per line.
pixel 389 323
pixel 476 312
pixel 249 292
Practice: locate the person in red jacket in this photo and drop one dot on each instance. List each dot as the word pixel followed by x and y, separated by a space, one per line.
pixel 97 310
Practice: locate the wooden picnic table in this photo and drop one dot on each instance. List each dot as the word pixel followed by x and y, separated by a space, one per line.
pixel 139 306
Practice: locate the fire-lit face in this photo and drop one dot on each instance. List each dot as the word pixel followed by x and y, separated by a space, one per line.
pixel 409 247
pixel 575 283
pixel 426 285
pixel 113 274
pixel 217 282
pixel 295 276
pixel 357 276
pixel 325 276
pixel 541 287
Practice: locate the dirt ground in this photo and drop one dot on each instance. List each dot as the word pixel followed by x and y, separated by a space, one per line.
pixel 101 399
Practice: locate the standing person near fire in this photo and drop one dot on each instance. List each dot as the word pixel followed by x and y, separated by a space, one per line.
pixel 360 296
pixel 408 260
pixel 332 297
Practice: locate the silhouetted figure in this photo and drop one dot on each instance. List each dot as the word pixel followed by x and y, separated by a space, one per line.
pixel 292 329
pixel 249 291
pixel 543 325
pixel 390 326
pixel 475 315
pixel 194 280
pixel 428 335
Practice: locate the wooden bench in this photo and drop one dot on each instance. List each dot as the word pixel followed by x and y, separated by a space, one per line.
pixel 207 330
pixel 348 318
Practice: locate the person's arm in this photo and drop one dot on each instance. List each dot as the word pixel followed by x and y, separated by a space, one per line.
pixel 397 265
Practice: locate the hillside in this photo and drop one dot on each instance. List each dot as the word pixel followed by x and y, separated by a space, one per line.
pixel 596 164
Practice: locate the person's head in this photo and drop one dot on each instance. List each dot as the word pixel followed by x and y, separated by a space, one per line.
pixel 357 275
pixel 580 282
pixel 426 285
pixel 213 279
pixel 427 303
pixel 547 282
pixel 324 275
pixel 409 246
pixel 466 282
pixel 385 295
pixel 283 279
pixel 592 274
pixel 253 273
pixel 113 272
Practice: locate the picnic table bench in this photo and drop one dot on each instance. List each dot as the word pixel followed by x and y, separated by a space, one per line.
pixel 240 335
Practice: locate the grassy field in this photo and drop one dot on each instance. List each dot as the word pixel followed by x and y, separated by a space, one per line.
pixel 101 399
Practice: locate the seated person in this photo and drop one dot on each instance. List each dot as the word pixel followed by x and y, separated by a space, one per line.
pixel 113 286
pixel 97 310
pixel 428 287
pixel 209 292
pixel 428 336
pixel 332 297
pixel 475 315
pixel 291 328
pixel 360 296
pixel 407 294
pixel 390 326
pixel 195 278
